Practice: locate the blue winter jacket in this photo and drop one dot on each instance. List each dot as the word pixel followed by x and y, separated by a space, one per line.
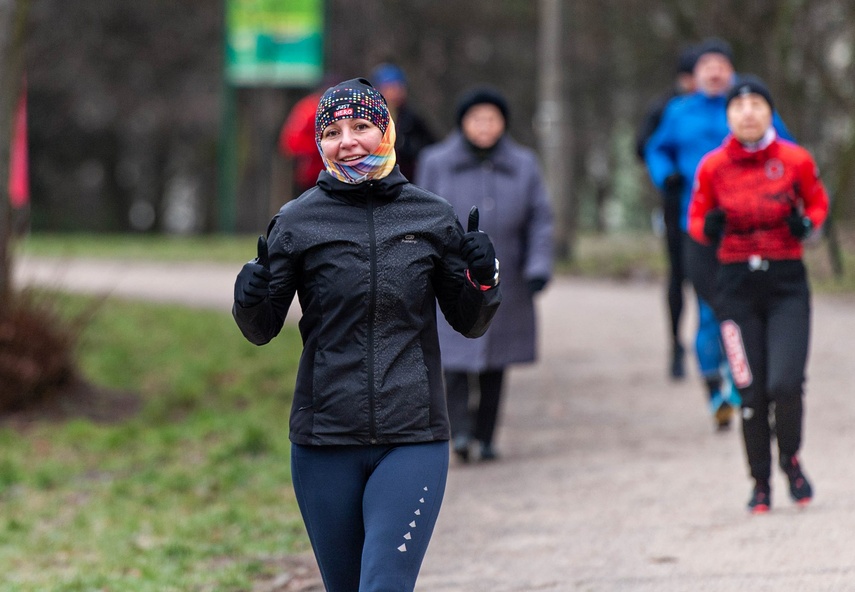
pixel 691 126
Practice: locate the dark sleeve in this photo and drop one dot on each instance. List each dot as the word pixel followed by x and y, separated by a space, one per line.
pixel 466 307
pixel 813 193
pixel 652 119
pixel 261 323
pixel 413 136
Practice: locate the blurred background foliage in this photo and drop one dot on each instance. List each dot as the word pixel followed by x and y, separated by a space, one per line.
pixel 126 99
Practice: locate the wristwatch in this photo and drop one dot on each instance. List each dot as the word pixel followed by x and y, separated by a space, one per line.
pixel 495 276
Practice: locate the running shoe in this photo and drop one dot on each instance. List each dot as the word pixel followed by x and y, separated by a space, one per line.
pixel 460 445
pixel 761 498
pixel 800 488
pixel 722 411
pixel 488 452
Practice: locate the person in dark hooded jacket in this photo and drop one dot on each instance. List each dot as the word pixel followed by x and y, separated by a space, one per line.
pixel 369 256
pixel 480 163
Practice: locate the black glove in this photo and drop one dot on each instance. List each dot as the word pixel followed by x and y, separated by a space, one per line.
pixel 714 224
pixel 800 226
pixel 251 285
pixel 478 252
pixel 674 186
pixel 535 285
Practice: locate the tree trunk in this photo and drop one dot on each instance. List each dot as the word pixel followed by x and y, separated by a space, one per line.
pixel 552 125
pixel 12 21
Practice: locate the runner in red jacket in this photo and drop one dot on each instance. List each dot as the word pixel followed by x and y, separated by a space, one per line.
pixel 760 196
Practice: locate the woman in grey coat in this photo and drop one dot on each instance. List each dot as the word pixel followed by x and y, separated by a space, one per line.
pixel 479 164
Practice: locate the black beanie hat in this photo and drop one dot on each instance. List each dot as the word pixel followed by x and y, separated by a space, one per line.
pixel 478 96
pixel 714 45
pixel 748 84
pixel 687 59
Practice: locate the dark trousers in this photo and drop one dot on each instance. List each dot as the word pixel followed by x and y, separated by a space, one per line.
pixel 474 416
pixel 370 510
pixel 765 327
pixel 676 274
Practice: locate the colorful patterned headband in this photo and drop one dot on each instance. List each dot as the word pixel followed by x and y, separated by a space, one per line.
pixel 351 99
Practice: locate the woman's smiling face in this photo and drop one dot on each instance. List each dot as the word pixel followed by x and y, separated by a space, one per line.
pixel 348 141
pixel 749 116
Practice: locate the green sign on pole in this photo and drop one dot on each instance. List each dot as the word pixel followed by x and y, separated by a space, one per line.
pixel 274 42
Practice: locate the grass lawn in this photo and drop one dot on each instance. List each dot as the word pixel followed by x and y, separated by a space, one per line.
pixel 191 493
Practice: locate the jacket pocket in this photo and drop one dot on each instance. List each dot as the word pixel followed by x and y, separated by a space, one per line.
pixel 339 395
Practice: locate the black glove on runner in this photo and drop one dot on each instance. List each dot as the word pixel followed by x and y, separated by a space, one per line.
pixel 674 186
pixel 478 252
pixel 535 285
pixel 714 224
pixel 800 226
pixel 251 285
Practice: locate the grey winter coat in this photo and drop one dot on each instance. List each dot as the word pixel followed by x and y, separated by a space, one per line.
pixel 510 193
pixel 369 263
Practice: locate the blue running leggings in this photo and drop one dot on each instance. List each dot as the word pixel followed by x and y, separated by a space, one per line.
pixel 370 510
pixel 708 341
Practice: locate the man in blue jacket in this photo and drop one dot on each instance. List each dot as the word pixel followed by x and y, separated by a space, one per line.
pixel 691 126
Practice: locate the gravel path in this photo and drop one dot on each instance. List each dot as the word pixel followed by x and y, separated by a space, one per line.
pixel 612 477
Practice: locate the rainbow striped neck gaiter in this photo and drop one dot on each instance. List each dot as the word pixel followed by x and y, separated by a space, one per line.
pixel 376 165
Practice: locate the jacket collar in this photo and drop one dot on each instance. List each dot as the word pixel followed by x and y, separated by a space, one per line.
pixel 386 189
pixel 501 158
pixel 738 151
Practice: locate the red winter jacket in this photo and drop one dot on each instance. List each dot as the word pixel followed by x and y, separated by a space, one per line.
pixel 757 192
pixel 297 140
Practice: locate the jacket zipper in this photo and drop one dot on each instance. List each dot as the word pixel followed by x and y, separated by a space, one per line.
pixel 372 298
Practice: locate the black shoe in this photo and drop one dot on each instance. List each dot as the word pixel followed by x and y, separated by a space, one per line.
pixel 677 369
pixel 461 447
pixel 800 488
pixel 488 452
pixel 761 498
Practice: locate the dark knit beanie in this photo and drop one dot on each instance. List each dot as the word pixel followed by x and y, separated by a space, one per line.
pixel 714 45
pixel 748 84
pixel 686 59
pixel 351 99
pixel 478 96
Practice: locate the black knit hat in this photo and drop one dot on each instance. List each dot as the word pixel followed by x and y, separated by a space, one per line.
pixel 477 96
pixel 749 84
pixel 686 59
pixel 714 45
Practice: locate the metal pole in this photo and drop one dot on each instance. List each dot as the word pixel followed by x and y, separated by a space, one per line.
pixel 227 166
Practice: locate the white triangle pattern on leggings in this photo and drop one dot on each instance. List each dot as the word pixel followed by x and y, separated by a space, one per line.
pixel 409 535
